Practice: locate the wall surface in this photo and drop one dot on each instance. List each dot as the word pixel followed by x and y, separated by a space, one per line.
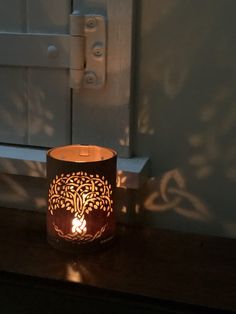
pixel 184 83
pixel 186 113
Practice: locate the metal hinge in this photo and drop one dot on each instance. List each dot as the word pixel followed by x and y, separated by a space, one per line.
pixel 82 52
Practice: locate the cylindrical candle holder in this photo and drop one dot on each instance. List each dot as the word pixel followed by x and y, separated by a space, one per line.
pixel 82 181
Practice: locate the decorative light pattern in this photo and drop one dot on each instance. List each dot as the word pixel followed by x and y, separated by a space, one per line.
pixel 79 225
pixel 80 194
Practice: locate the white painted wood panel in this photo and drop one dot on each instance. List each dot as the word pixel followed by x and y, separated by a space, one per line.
pixel 13 15
pixel 49 16
pixel 35 103
pixel 49 107
pixel 13 81
pixel 49 100
pixel 13 110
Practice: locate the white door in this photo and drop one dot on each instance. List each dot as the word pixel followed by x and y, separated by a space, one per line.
pixel 37 106
pixel 35 102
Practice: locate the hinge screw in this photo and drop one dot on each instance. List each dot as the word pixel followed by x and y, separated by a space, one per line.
pixel 90 78
pixel 98 50
pixel 91 22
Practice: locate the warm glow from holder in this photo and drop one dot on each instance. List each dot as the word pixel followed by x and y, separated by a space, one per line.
pixel 79 225
pixel 80 203
pixel 82 153
pixel 80 194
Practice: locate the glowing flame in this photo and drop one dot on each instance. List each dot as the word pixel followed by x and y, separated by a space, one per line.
pixel 79 225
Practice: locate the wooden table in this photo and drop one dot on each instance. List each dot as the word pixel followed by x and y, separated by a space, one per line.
pixel 146 271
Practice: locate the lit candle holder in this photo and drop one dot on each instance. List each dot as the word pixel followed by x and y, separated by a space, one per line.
pixel 82 181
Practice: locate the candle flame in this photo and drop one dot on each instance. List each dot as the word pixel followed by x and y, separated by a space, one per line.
pixel 79 225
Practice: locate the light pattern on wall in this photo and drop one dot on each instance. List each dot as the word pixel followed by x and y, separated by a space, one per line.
pixel 213 146
pixel 80 194
pixel 170 193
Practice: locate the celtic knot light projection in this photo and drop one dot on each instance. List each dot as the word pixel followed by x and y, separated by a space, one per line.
pixel 80 194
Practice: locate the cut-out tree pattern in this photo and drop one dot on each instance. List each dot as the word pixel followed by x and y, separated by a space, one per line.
pixel 80 194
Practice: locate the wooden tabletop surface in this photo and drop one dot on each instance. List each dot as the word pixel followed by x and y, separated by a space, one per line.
pixel 154 263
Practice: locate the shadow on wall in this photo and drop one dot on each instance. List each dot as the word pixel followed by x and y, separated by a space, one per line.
pixel 187 102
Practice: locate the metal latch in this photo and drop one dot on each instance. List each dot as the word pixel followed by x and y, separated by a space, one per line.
pixel 82 52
